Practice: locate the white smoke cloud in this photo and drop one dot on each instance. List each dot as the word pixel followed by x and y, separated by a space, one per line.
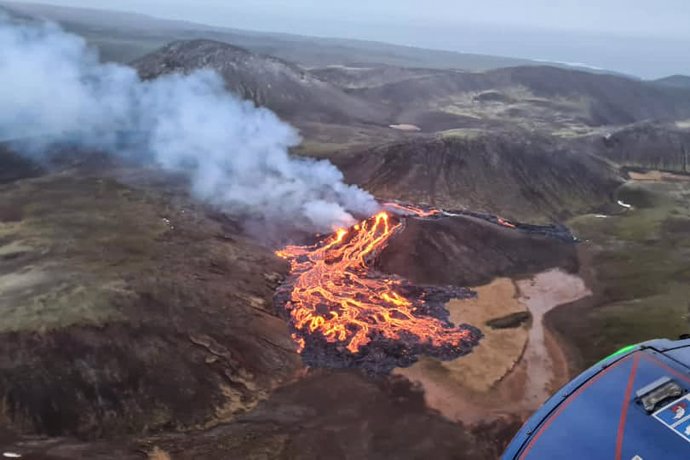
pixel 53 88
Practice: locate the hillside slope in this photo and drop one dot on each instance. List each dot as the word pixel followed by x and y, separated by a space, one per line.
pixel 530 93
pixel 674 81
pixel 541 97
pixel 519 176
pixel 646 145
pixel 465 250
pixel 126 310
pixel 284 88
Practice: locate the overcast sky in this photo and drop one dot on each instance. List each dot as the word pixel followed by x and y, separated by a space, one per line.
pixel 649 38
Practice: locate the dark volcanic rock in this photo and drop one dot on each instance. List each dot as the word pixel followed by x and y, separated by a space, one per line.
pixel 382 355
pixel 469 251
pixel 511 321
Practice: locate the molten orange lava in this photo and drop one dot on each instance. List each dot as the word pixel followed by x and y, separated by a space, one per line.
pixel 505 223
pixel 414 210
pixel 336 295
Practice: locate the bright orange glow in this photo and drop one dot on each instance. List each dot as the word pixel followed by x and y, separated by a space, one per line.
pixel 505 223
pixel 410 209
pixel 335 294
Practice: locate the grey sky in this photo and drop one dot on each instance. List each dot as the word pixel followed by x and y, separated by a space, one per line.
pixel 645 37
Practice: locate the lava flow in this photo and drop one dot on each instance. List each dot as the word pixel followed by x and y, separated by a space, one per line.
pixel 339 306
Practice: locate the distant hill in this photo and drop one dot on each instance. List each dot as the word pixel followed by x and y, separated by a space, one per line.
pixel 445 98
pixel 614 99
pixel 283 87
pixel 674 81
pixel 123 37
pixel 362 76
pixel 433 100
pixel 646 145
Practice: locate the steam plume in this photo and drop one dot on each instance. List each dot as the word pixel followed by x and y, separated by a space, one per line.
pixel 53 87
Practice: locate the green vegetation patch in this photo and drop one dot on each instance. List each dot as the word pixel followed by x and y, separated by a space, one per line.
pixel 70 247
pixel 641 264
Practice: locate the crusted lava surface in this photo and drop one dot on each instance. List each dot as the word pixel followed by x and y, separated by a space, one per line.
pixel 344 313
pixel 382 354
pixel 373 296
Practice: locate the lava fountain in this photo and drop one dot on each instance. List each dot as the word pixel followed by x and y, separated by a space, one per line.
pixel 344 313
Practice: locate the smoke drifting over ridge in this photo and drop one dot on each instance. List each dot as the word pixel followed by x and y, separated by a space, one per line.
pixel 53 88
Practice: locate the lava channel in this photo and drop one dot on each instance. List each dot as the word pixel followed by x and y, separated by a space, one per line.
pixel 343 313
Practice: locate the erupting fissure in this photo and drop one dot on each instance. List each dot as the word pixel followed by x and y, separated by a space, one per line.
pixel 338 297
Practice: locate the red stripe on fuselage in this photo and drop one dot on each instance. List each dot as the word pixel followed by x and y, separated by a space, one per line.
pixel 660 363
pixel 626 404
pixel 568 401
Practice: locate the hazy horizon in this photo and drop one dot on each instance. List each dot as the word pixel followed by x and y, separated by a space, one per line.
pixel 629 36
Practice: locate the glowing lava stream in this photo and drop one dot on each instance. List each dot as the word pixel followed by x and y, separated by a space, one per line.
pixel 336 295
